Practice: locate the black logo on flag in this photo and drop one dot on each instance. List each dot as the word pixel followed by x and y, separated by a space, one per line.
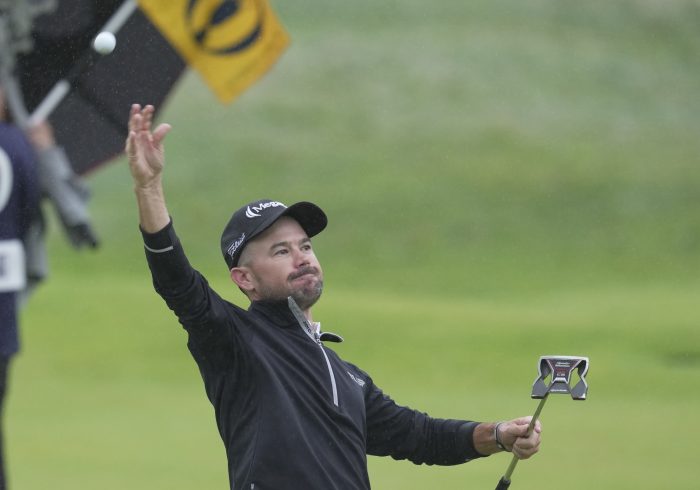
pixel 220 30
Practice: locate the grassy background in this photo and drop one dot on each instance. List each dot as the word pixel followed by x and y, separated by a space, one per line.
pixel 504 179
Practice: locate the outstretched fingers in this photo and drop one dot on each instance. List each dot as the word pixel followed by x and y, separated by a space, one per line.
pixel 144 146
pixel 141 119
pixel 159 134
pixel 147 117
pixel 134 117
pixel 140 123
pixel 134 128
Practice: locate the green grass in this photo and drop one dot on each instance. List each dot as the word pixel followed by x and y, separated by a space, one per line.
pixel 504 180
pixel 112 397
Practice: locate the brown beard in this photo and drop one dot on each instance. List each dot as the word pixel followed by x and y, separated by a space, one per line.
pixel 305 296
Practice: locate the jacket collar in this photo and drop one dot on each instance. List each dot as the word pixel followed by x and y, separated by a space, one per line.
pixel 276 312
pixel 279 314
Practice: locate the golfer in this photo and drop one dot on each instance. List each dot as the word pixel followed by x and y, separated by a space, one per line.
pixel 291 413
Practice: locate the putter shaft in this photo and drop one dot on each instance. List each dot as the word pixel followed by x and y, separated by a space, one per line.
pixel 535 416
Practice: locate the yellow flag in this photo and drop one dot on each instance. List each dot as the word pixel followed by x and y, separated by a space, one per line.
pixel 231 43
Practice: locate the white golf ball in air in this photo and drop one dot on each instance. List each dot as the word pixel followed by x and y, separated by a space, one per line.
pixel 104 42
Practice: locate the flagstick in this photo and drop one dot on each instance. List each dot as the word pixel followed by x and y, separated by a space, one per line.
pixel 50 102
pixel 120 17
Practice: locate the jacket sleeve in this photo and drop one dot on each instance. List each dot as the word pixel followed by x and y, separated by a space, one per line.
pixel 404 433
pixel 204 314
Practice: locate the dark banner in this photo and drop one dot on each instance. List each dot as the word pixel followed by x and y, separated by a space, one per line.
pixel 90 122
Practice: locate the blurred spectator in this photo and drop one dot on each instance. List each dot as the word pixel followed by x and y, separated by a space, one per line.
pixel 31 166
pixel 19 207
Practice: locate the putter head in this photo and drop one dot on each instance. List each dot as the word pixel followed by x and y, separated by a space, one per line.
pixel 559 369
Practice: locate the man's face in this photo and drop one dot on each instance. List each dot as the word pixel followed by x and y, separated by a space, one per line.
pixel 279 263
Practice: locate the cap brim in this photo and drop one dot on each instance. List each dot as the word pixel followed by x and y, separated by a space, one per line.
pixel 311 218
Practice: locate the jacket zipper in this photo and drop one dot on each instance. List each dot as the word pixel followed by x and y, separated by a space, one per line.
pixel 316 337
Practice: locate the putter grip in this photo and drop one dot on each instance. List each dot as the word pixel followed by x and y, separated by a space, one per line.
pixel 503 484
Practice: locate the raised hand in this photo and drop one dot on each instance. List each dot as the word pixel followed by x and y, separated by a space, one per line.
pixel 145 148
pixel 146 160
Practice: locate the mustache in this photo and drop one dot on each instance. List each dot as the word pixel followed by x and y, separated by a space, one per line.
pixel 302 272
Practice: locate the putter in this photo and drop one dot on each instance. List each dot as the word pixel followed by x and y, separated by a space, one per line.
pixel 554 377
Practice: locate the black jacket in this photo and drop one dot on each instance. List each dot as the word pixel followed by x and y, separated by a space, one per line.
pixel 291 413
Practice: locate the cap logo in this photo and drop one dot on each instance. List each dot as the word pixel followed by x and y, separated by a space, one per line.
pixel 255 211
pixel 234 246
